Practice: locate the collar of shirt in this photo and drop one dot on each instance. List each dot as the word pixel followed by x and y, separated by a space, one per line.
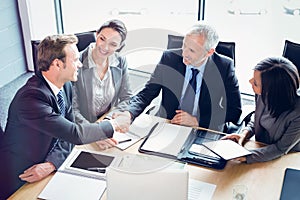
pixel 201 69
pixel 54 89
pixel 112 59
pixel 189 74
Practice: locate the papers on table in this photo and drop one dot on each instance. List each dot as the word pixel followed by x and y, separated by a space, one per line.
pixel 227 149
pixel 67 186
pixel 138 130
pixel 125 139
pixel 199 190
pixel 167 139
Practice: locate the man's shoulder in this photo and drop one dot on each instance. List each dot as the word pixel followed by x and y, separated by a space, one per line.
pixel 173 52
pixel 172 57
pixel 221 59
pixel 33 88
pixel 35 82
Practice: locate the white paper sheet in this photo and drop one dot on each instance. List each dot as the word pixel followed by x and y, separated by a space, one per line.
pixel 137 130
pixel 64 186
pixel 227 149
pixel 121 137
pixel 167 138
pixel 199 190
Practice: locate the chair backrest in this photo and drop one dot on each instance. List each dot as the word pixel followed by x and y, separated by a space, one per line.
pixel 34 46
pixel 291 51
pixel 84 39
pixel 224 48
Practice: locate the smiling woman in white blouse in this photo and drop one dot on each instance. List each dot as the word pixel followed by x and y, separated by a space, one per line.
pixel 103 81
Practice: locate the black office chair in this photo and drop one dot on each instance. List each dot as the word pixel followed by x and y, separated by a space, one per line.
pixel 34 46
pixel 224 48
pixel 291 51
pixel 84 39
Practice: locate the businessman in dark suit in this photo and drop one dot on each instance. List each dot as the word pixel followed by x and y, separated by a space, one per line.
pixel 216 97
pixel 40 132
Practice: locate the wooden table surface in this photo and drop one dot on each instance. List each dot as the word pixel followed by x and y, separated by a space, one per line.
pixel 261 180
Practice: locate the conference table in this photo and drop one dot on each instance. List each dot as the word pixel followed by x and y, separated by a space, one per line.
pixel 259 180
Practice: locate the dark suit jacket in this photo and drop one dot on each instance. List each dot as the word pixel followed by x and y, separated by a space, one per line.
pixel 219 100
pixel 34 121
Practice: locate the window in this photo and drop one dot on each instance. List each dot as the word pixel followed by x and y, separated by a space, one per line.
pixel 258 27
pixel 148 23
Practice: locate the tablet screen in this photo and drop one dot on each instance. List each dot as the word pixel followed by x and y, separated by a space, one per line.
pixel 87 160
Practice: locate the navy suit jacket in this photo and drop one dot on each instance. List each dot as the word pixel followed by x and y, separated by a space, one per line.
pixel 34 122
pixel 219 100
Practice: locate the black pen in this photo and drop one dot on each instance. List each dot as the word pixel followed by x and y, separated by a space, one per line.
pixel 97 169
pixel 128 140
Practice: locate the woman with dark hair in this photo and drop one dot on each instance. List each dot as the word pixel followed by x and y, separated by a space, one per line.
pixel 103 83
pixel 277 114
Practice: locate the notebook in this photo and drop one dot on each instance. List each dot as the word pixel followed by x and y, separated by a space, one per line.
pixel 290 187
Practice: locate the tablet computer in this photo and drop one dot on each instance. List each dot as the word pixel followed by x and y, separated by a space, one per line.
pixel 91 163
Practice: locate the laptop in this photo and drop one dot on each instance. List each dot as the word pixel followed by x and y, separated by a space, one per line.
pixel 167 180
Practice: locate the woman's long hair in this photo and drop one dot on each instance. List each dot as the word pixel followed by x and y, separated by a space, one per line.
pixel 280 82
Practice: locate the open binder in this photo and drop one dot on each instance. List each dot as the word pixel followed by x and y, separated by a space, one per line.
pixel 174 141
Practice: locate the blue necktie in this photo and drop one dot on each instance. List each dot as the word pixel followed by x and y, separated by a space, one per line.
pixel 61 103
pixel 187 103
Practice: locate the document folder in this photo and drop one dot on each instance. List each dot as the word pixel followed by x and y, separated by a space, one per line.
pixel 174 141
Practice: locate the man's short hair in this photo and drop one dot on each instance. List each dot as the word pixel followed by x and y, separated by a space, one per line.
pixel 52 47
pixel 210 34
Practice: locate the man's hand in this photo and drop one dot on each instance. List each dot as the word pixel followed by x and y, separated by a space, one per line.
pixel 37 172
pixel 184 118
pixel 107 143
pixel 121 121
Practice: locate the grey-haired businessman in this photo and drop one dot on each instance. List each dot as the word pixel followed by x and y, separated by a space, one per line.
pixel 216 97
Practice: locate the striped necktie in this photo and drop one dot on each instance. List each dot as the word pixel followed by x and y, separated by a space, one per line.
pixel 61 103
pixel 62 107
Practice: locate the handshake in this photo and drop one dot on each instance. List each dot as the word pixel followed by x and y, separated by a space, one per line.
pixel 121 121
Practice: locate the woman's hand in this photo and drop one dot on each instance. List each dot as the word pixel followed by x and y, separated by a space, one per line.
pixel 238 138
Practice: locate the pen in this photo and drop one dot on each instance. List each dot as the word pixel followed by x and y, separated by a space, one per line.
pixel 128 140
pixel 97 169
